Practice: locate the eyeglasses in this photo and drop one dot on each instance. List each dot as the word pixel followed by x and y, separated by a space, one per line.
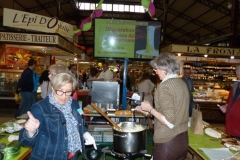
pixel 60 93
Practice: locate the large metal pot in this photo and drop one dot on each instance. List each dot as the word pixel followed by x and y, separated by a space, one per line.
pixel 129 142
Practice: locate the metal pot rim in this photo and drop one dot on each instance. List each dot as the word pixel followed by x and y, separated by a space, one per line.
pixel 144 127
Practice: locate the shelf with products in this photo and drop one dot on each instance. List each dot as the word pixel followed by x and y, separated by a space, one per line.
pixel 8 81
pixel 211 71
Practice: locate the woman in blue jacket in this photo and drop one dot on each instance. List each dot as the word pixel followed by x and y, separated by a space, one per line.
pixel 54 128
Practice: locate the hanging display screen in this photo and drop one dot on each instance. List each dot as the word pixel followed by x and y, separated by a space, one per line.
pixel 126 39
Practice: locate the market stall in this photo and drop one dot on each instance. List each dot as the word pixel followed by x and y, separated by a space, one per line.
pixel 18 48
pixel 213 70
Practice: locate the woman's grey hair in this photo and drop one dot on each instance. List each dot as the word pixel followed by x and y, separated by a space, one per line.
pixel 61 79
pixel 166 61
pixel 58 68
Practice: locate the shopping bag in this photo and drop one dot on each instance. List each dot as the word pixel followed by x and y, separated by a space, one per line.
pixel 196 121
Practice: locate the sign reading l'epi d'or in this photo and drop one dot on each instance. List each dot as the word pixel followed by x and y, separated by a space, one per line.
pixel 177 48
pixel 30 21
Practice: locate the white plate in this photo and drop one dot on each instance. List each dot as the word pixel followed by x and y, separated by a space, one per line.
pixel 11 129
pixel 213 133
pixel 21 121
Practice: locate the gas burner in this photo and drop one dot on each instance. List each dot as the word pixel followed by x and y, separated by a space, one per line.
pixel 125 156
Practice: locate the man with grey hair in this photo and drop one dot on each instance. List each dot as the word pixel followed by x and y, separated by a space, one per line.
pixel 187 79
pixel 106 74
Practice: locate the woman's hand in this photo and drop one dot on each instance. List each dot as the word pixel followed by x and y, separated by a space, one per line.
pixel 32 124
pixel 145 107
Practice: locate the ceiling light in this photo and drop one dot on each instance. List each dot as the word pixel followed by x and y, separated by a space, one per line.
pixel 205 55
pixel 232 57
pixel 206 44
pixel 75 59
pixel 179 54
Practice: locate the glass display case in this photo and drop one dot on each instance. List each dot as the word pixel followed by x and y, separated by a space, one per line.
pixel 8 82
pixel 212 74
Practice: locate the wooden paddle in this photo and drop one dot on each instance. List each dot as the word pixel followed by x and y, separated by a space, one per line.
pixel 104 115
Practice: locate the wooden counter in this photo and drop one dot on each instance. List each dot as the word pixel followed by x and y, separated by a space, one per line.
pixel 211 113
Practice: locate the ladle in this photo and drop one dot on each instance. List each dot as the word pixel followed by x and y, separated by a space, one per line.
pixel 105 116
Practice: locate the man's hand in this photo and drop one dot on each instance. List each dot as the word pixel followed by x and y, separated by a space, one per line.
pixel 32 124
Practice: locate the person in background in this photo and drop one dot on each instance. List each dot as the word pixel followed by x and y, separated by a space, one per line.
pixel 84 76
pixel 54 129
pixel 25 87
pixel 73 69
pixel 88 74
pixel 120 81
pixel 187 79
pixel 45 85
pixel 132 78
pixel 145 89
pixel 152 77
pixel 92 77
pixel 60 68
pixel 36 85
pixel 232 109
pixel 170 112
pixel 106 74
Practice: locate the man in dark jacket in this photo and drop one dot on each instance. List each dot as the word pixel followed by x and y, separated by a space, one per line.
pixel 187 79
pixel 26 87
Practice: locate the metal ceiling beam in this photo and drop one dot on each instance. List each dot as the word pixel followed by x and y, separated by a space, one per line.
pixel 180 31
pixel 126 15
pixel 177 29
pixel 42 6
pixel 21 5
pixel 113 2
pixel 182 12
pixel 73 4
pixel 47 5
pixel 191 20
pixel 215 6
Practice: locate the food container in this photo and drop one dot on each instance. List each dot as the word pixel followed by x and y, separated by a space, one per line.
pixel 129 140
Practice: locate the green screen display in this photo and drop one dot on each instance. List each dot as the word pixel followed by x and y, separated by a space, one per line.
pixel 126 38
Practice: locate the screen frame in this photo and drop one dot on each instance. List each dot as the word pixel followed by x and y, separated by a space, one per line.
pixel 120 58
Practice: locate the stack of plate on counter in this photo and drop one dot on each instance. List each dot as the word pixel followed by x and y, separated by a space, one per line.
pixel 231 143
pixel 213 133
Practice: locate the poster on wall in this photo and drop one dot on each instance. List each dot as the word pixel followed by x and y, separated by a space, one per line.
pixel 126 39
pixel 20 56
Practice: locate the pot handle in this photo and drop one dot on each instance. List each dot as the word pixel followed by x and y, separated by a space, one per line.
pixel 123 136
